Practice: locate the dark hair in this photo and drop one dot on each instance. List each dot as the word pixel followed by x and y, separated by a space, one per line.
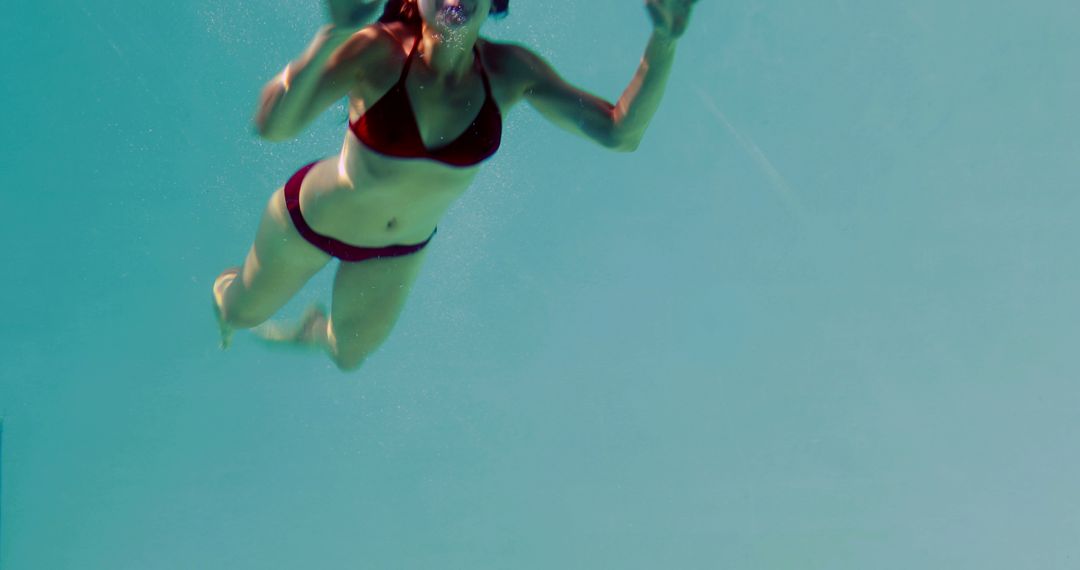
pixel 409 12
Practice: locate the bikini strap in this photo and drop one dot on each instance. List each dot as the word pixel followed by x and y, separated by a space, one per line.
pixel 476 52
pixel 408 60
pixel 483 72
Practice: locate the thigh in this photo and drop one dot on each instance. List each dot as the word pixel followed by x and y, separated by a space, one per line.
pixel 368 299
pixel 279 263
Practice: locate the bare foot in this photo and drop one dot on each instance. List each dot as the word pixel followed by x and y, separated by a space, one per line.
pixel 220 284
pixel 310 332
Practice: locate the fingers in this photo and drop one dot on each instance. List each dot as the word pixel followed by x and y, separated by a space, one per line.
pixel 657 13
pixel 671 16
pixel 670 6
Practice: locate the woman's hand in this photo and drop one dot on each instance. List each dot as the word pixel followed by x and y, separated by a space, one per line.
pixel 670 17
pixel 353 13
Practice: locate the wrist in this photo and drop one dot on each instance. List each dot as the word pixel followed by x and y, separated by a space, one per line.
pixel 664 35
pixel 663 42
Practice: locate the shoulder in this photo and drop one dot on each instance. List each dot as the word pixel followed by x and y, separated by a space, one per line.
pixel 514 62
pixel 369 49
pixel 512 55
pixel 392 33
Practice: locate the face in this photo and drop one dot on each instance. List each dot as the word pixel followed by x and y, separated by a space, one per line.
pixel 455 18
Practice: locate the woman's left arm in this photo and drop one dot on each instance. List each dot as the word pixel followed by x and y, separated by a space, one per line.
pixel 620 126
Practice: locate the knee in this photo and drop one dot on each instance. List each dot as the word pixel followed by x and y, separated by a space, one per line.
pixel 350 344
pixel 348 364
pixel 229 312
pixel 242 320
pixel 237 316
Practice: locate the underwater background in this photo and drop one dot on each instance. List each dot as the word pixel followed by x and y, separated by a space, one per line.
pixel 825 317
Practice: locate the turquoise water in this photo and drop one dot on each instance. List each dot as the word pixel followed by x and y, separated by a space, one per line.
pixel 824 317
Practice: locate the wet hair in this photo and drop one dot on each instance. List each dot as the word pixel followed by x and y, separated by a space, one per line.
pixel 408 11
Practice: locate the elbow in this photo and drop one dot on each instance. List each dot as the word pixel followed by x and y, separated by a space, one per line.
pixel 272 137
pixel 263 131
pixel 269 123
pixel 629 146
pixel 266 124
pixel 621 139
pixel 624 144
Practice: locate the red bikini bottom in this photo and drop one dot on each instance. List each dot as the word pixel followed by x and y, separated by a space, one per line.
pixel 338 249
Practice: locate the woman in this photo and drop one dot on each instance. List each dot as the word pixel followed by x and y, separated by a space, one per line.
pixel 426 95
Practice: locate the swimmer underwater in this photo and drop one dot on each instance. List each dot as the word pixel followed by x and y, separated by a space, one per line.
pixel 426 96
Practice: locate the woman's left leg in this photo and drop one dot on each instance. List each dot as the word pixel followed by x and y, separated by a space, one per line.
pixel 368 299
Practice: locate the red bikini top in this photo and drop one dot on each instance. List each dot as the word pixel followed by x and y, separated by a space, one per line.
pixel 389 126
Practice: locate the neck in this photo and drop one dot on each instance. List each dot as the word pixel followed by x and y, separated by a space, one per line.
pixel 449 59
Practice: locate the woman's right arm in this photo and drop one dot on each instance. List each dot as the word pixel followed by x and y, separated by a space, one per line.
pixel 324 73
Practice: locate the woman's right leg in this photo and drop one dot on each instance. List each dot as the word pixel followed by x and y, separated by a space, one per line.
pixel 368 298
pixel 279 263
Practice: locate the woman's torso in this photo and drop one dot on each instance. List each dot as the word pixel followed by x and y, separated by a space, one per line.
pixel 369 199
